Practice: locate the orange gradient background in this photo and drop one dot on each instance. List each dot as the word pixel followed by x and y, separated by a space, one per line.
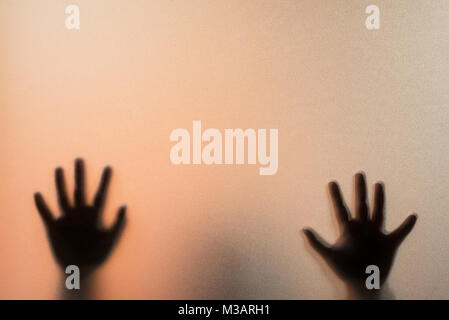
pixel 343 98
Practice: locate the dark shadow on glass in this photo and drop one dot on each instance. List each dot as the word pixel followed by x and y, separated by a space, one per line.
pixel 77 237
pixel 362 241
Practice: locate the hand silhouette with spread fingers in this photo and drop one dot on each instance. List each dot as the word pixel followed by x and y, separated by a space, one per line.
pixel 362 241
pixel 76 237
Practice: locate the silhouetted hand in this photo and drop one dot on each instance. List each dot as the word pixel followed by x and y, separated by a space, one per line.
pixel 77 237
pixel 362 241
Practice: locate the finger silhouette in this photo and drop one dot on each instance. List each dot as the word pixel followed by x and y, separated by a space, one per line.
pixel 61 191
pixel 79 183
pixel 361 206
pixel 100 197
pixel 404 229
pixel 119 223
pixel 320 245
pixel 43 209
pixel 378 210
pixel 340 208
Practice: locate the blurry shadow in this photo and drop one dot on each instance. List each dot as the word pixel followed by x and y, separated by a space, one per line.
pixel 76 236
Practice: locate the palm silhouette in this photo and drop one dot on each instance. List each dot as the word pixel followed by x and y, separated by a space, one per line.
pixel 76 237
pixel 362 241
